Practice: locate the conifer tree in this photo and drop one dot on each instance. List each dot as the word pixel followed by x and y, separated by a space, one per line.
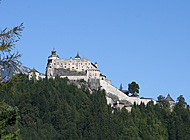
pixel 9 56
pixel 121 87
pixel 8 121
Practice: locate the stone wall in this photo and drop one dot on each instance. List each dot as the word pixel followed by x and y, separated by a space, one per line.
pixel 94 83
pixel 113 90
pixel 75 78
pixel 113 93
pixel 66 72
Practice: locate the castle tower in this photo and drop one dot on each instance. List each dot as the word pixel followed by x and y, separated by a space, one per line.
pixel 171 101
pixel 51 60
pixel 53 55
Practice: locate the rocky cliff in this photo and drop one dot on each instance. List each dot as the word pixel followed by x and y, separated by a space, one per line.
pixel 6 75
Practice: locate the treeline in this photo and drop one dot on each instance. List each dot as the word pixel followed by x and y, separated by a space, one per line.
pixel 53 110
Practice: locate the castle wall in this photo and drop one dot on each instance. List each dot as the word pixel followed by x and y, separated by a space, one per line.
pixel 37 75
pixel 76 77
pixel 73 64
pixel 113 90
pixel 145 101
pixel 109 81
pixel 94 74
pixel 94 83
pixel 139 100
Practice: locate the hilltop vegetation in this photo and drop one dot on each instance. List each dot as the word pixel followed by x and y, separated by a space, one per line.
pixel 53 110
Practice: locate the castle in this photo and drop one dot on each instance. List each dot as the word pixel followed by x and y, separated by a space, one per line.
pixel 73 69
pixel 83 69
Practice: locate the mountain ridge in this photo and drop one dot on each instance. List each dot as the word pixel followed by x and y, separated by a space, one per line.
pixel 6 75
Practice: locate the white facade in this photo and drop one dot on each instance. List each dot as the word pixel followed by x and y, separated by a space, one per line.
pixel 77 64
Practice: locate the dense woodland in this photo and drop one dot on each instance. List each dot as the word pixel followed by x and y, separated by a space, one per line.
pixel 53 110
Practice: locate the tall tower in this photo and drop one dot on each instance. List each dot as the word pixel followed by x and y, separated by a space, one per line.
pixel 50 67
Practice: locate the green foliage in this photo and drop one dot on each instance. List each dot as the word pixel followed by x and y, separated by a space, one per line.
pixel 181 101
pixel 121 87
pixel 52 109
pixel 9 59
pixel 162 102
pixel 9 56
pixel 8 122
pixel 133 88
pixel 179 123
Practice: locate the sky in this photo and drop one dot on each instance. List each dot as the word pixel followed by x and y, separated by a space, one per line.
pixel 146 41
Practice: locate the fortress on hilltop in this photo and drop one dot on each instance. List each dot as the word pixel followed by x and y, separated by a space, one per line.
pixel 78 69
pixel 74 69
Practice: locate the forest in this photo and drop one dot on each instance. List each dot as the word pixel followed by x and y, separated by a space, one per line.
pixel 52 109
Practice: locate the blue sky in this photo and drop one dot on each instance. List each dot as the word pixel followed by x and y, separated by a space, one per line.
pixel 147 41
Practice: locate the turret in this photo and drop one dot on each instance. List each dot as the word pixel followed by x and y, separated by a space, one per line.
pixel 51 58
pixel 171 101
pixel 53 55
pixel 77 57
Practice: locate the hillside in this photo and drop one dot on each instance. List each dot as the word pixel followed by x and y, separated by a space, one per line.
pixel 55 110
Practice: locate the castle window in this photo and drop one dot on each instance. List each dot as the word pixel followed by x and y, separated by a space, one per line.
pixel 54 63
pixel 85 63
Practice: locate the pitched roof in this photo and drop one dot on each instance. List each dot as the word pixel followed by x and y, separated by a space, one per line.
pixel 33 70
pixel 53 53
pixel 102 75
pixel 93 65
pixel 77 56
pixel 168 98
